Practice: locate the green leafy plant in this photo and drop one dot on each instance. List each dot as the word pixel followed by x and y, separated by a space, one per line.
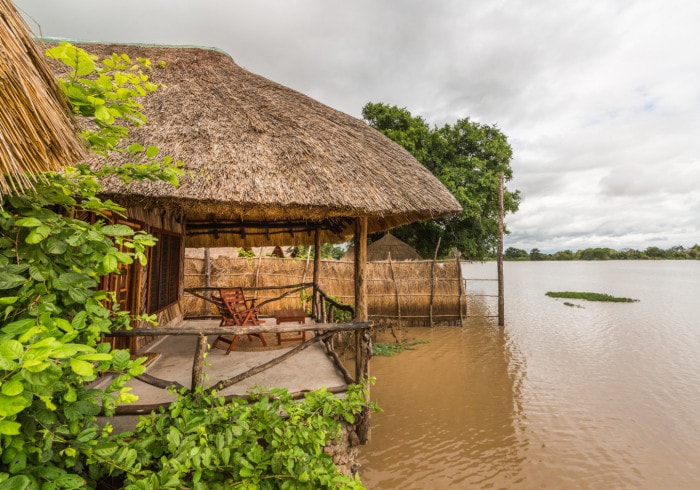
pixel 53 313
pixel 273 441
pixel 391 348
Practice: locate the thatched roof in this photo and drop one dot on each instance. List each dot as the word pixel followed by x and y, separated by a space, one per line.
pixel 266 164
pixel 390 246
pixel 36 130
pixel 385 247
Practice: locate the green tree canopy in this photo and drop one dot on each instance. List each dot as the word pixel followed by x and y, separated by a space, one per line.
pixel 467 157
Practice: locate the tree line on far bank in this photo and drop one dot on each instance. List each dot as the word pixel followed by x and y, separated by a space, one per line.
pixel 650 253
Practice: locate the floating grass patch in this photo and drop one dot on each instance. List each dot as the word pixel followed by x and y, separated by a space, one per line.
pixel 589 296
pixel 391 348
pixel 566 303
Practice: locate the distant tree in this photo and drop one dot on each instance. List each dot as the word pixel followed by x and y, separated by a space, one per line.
pixel 535 254
pixel 563 255
pixel 677 252
pixel 467 157
pixel 655 253
pixel 328 251
pixel 596 254
pixel 512 253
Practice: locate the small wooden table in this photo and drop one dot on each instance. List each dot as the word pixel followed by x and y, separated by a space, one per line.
pixel 296 315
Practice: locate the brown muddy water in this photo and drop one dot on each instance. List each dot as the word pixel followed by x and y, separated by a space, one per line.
pixel 596 395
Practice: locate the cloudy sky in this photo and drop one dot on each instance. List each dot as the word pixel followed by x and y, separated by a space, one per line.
pixel 600 99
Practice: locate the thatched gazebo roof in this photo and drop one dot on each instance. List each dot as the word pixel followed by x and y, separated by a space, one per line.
pixel 387 246
pixel 265 164
pixel 390 246
pixel 36 130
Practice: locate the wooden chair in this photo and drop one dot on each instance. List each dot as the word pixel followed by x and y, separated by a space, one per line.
pixel 236 311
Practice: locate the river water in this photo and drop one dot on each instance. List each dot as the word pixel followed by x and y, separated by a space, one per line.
pixel 596 395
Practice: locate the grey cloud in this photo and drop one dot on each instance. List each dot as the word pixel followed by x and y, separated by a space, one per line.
pixel 599 100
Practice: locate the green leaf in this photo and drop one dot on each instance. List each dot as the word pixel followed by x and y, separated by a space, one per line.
pixel 17 482
pixel 117 230
pixel 95 357
pixel 9 428
pixel 110 263
pixel 20 326
pixel 8 300
pixel 70 481
pixel 152 151
pixel 12 388
pixel 81 368
pixel 36 274
pixel 106 449
pixel 120 359
pixel 55 246
pixel 135 148
pixel 103 114
pixel 12 405
pixel 9 281
pixel 28 222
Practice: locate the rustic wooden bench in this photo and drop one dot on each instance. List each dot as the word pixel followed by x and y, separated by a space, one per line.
pixel 294 315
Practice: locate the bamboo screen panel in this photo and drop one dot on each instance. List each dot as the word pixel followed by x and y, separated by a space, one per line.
pixel 401 289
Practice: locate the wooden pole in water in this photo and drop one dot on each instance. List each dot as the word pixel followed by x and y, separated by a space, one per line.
pixel 499 253
pixel 432 283
pixel 396 290
pixel 460 282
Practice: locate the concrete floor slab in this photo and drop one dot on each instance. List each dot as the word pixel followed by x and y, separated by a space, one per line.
pixel 309 369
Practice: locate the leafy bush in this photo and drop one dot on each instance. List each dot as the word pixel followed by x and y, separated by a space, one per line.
pixel 203 442
pixel 53 316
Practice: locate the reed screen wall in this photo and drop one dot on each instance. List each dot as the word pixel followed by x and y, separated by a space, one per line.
pixel 411 293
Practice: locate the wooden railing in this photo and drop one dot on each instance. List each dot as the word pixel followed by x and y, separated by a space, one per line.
pixel 323 309
pixel 204 293
pixel 325 306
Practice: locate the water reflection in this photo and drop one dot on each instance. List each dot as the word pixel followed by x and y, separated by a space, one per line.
pixel 453 411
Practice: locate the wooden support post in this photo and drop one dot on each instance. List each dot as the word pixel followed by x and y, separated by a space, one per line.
pixel 317 271
pixel 198 365
pixel 207 281
pixel 361 313
pixel 363 340
pixel 499 253
pixel 360 267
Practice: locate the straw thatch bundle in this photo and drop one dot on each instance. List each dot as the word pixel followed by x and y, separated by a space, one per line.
pixel 268 165
pixel 36 130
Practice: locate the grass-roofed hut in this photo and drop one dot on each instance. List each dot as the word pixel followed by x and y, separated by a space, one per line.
pixel 36 131
pixel 265 165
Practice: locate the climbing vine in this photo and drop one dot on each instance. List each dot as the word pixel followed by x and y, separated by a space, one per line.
pixel 54 315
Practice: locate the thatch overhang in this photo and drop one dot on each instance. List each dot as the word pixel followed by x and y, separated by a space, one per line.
pixel 265 164
pixel 36 131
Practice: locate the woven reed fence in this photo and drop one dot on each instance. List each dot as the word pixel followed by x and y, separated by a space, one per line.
pixel 410 293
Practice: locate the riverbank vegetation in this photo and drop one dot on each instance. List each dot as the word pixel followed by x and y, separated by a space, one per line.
pixel 589 296
pixel 650 253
